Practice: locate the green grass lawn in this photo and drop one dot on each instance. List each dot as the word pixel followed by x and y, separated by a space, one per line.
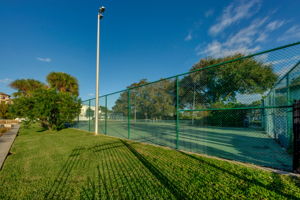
pixel 71 164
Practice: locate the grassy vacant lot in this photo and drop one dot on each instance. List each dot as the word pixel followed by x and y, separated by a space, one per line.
pixel 72 164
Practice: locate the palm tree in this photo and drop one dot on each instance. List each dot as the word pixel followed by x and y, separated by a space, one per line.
pixel 25 87
pixel 63 82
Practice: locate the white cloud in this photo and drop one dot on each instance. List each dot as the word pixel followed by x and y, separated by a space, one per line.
pixel 209 13
pixel 262 37
pixel 220 50
pixel 291 33
pixel 188 37
pixel 274 25
pixel 247 35
pixel 234 13
pixel 244 41
pixel 212 48
pixel 5 80
pixel 91 94
pixel 270 27
pixel 44 59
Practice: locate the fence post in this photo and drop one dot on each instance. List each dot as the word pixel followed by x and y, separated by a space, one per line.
pixel 177 112
pixel 106 110
pixel 89 109
pixel 78 120
pixel 262 114
pixel 289 114
pixel 296 130
pixel 288 89
pixel 129 111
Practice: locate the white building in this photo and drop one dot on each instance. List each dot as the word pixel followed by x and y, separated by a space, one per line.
pixel 85 112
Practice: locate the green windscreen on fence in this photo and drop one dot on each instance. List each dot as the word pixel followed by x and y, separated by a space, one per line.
pixel 234 107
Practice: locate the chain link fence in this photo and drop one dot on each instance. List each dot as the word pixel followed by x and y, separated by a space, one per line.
pixel 238 108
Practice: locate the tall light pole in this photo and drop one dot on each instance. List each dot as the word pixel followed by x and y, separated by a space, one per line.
pixel 100 16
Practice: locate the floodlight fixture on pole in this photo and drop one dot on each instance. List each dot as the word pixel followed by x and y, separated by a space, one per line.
pixel 100 16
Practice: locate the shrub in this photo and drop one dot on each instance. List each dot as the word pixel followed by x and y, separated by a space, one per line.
pixel 223 117
pixel 52 109
pixel 4 111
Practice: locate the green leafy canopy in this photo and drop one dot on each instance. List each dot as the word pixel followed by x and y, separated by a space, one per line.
pixel 53 106
pixel 209 87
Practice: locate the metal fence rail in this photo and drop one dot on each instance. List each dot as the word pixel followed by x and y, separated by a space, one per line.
pixel 239 108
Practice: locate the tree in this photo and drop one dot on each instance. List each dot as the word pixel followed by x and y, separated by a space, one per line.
pixel 52 109
pixel 224 83
pixel 4 111
pixel 218 87
pixel 210 88
pixel 53 106
pixel 155 101
pixel 25 87
pixel 121 105
pixel 63 82
pixel 89 113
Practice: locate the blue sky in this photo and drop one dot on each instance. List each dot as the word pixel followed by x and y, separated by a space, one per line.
pixel 139 39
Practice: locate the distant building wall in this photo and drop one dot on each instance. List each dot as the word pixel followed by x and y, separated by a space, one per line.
pixel 5 98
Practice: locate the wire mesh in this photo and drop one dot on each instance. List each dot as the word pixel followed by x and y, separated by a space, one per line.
pixel 117 119
pixel 102 115
pixel 85 116
pixel 236 107
pixel 153 113
pixel 234 135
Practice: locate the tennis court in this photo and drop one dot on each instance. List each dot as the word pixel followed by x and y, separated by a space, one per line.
pixel 234 108
pixel 240 144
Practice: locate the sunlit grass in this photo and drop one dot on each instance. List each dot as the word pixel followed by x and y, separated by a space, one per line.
pixel 72 164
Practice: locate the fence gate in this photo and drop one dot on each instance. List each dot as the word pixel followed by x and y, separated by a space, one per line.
pixel 296 130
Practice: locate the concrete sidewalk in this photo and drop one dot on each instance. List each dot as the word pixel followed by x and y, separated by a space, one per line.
pixel 6 142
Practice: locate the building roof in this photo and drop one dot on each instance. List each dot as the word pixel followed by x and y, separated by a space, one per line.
pixel 1 93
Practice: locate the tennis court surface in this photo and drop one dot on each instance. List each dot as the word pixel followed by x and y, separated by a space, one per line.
pixel 240 144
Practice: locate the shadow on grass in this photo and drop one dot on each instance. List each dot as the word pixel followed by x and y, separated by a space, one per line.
pixel 41 130
pixel 176 191
pixel 274 186
pixel 103 147
pixel 122 171
pixel 93 191
pixel 120 175
pixel 114 171
pixel 59 189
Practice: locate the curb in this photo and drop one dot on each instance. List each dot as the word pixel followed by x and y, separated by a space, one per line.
pixel 6 142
